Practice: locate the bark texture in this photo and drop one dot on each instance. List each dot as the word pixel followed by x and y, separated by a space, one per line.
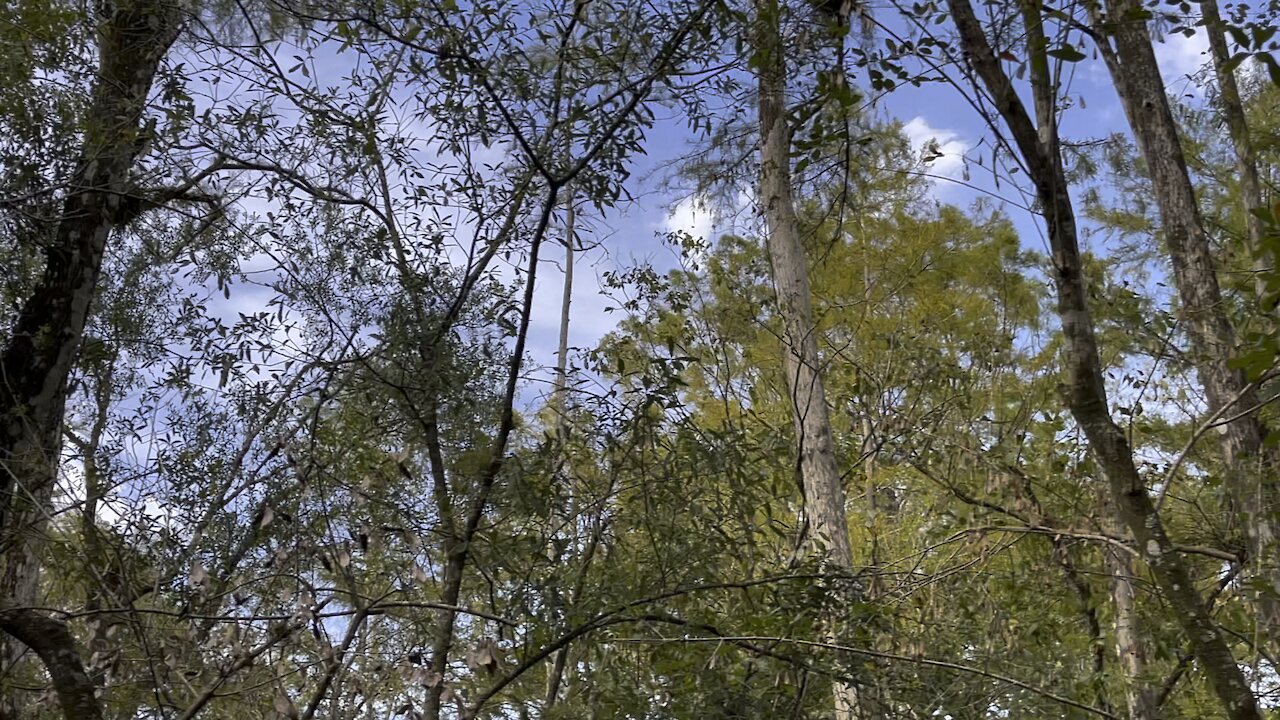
pixel 1232 109
pixel 53 643
pixel 133 37
pixel 1084 391
pixel 43 343
pixel 1251 491
pixel 1140 697
pixel 824 496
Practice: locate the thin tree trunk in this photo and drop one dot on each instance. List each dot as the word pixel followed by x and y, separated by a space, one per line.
pixel 1139 695
pixel 1084 390
pixel 824 497
pixel 559 406
pixel 1251 491
pixel 1232 108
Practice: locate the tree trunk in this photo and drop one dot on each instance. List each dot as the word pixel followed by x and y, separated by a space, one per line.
pixel 1084 390
pixel 824 497
pixel 1129 648
pixel 47 333
pixel 559 406
pixel 1232 108
pixel 56 647
pixel 1251 491
pixel 37 362
pixel 1140 697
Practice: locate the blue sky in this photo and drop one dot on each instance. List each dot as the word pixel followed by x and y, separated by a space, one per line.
pixel 930 112
pixel 630 234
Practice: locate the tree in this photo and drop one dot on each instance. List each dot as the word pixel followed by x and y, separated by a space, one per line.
pixel 298 457
pixel 1126 47
pixel 1085 393
pixel 102 194
pixel 815 447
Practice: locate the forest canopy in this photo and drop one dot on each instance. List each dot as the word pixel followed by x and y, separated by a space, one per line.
pixel 481 359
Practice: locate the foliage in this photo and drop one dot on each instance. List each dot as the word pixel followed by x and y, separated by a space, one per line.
pixel 308 467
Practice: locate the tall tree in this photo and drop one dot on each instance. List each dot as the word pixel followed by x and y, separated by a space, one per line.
pixel 824 496
pixel 1085 393
pixel 1124 40
pixel 102 194
pixel 1231 106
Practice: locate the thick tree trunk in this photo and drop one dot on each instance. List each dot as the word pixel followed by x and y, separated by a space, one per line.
pixel 824 497
pixel 1251 490
pixel 43 343
pixel 1085 391
pixel 36 363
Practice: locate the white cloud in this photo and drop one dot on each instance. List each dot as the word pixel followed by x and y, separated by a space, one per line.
pixel 691 215
pixel 1180 56
pixel 945 147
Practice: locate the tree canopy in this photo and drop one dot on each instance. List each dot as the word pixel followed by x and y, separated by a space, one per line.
pixel 356 361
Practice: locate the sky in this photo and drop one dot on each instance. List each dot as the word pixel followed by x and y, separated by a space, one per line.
pixel 631 234
pixel 932 113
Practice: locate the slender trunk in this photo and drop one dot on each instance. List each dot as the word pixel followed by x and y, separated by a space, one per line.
pixel 1232 108
pixel 1084 390
pixel 566 301
pixel 1262 535
pixel 559 406
pixel 1136 74
pixel 1139 695
pixel 824 498
pixel 457 543
pixel 1251 491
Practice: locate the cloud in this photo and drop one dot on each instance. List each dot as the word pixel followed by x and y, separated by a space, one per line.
pixel 1180 56
pixel 691 215
pixel 945 147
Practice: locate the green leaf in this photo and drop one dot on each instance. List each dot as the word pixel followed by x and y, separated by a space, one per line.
pixel 1234 61
pixel 1067 53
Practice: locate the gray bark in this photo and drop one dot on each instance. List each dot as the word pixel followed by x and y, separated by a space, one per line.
pixel 1141 699
pixel 1251 491
pixel 1084 390
pixel 1139 696
pixel 1232 108
pixel 824 496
